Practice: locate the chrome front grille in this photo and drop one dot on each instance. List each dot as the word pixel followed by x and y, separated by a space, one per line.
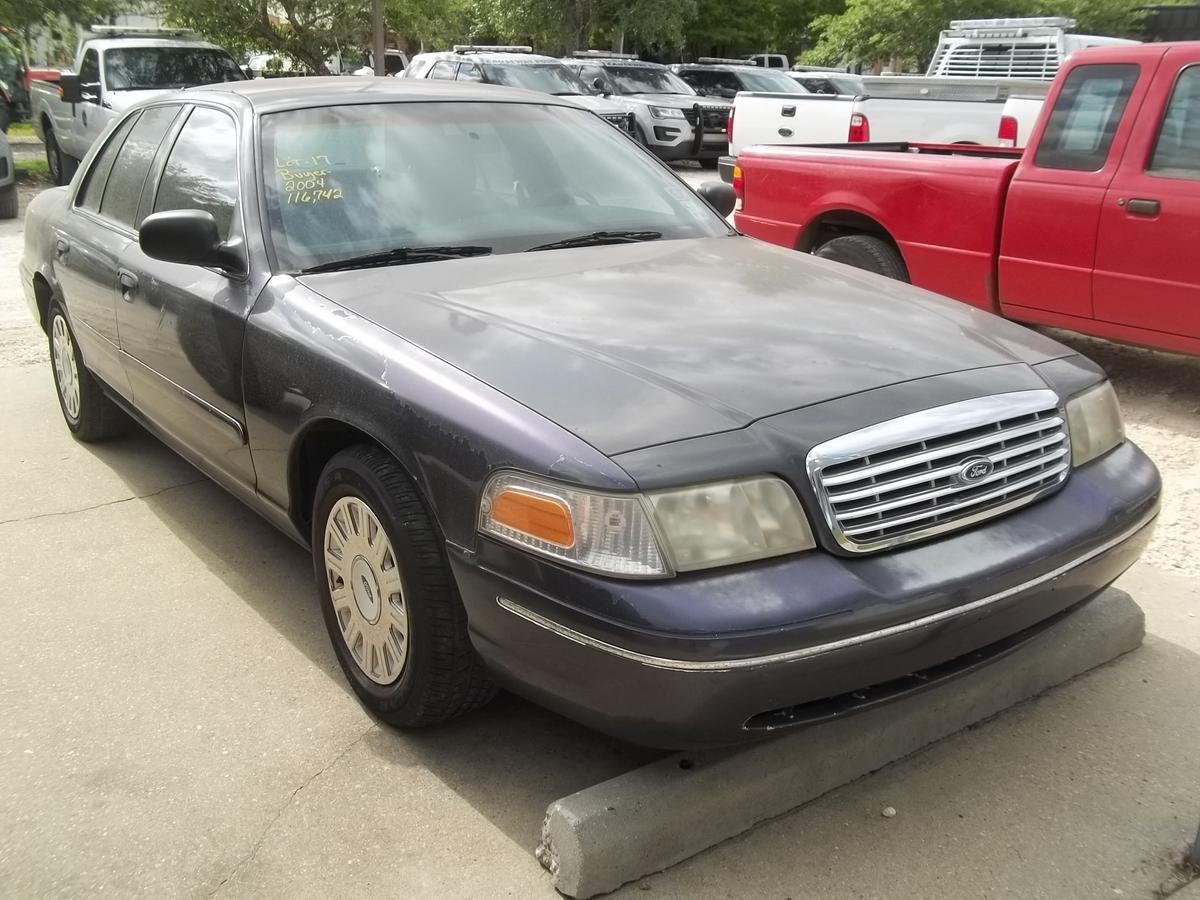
pixel 941 469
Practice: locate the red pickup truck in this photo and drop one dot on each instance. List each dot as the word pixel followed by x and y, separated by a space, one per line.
pixel 1094 226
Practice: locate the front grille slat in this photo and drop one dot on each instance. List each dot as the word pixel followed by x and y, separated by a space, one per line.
pixel 999 493
pixel 927 496
pixel 907 479
pixel 958 448
pixel 885 487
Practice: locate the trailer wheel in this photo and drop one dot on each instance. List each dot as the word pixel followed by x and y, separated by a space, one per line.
pixel 865 252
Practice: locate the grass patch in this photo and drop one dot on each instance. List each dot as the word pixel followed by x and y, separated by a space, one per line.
pixel 21 130
pixel 33 171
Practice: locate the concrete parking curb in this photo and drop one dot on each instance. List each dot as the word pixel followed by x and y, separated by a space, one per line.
pixel 646 820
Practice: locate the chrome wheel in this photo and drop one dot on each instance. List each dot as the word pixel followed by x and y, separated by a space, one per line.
pixel 66 373
pixel 366 590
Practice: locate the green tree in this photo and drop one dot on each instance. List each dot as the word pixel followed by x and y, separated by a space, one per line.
pixel 306 31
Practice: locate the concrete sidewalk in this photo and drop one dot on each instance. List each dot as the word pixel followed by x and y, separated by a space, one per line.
pixel 174 724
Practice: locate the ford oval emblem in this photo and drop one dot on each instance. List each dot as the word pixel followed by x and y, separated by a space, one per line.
pixel 975 468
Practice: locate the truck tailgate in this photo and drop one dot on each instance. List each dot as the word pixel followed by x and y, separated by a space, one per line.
pixel 942 206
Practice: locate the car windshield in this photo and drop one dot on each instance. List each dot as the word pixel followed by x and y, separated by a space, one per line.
pixel 348 181
pixel 154 68
pixel 549 78
pixel 646 80
pixel 769 82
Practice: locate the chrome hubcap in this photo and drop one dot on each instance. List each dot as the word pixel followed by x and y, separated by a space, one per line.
pixel 65 371
pixel 366 590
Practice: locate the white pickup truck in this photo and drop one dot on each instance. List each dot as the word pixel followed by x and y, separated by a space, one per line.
pixel 115 68
pixel 891 108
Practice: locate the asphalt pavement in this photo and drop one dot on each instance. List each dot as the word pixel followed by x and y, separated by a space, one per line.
pixel 174 722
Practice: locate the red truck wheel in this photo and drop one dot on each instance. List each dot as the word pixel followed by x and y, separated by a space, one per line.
pixel 865 252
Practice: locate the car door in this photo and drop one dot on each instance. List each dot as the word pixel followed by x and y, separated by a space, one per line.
pixel 1146 275
pixel 89 242
pixel 1048 239
pixel 182 326
pixel 90 118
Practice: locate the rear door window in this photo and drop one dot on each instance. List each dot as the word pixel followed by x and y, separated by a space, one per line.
pixel 96 177
pixel 1177 150
pixel 1085 117
pixel 123 191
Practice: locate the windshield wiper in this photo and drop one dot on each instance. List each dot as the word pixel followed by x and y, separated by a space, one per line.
pixel 398 257
pixel 598 238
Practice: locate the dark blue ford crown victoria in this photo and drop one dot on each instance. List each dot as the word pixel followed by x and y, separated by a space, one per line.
pixel 548 423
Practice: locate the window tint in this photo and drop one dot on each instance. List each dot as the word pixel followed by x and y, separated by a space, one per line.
pixel 89 69
pixel 443 68
pixel 1085 117
pixel 201 172
pixel 93 184
pixel 124 188
pixel 1177 153
pixel 469 72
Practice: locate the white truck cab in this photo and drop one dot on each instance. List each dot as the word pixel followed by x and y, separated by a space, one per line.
pixel 116 67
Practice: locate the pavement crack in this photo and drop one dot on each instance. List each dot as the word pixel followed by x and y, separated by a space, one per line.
pixel 284 807
pixel 117 502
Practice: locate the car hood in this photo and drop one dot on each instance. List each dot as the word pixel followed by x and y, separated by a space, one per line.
pixel 639 344
pixel 596 104
pixel 680 101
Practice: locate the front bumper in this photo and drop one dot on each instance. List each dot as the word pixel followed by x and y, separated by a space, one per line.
pixel 574 642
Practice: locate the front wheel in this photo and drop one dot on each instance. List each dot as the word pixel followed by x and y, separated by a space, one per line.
pixel 398 627
pixel 866 252
pixel 90 414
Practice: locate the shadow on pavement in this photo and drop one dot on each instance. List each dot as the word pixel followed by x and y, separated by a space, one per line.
pixel 508 760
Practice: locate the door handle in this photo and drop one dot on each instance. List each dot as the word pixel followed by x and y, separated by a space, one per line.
pixel 1143 207
pixel 785 132
pixel 61 247
pixel 128 282
pixel 789 111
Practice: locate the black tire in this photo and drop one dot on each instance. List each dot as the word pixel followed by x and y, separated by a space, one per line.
pixel 442 676
pixel 865 252
pixel 8 202
pixel 62 167
pixel 97 417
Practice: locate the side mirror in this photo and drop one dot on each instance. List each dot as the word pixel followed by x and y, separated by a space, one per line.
pixel 720 196
pixel 598 86
pixel 189 237
pixel 69 88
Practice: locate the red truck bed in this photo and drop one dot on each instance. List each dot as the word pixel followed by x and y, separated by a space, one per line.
pixel 1092 227
pixel 954 192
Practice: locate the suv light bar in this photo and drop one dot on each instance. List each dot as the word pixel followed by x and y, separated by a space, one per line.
pixel 603 54
pixel 720 61
pixel 491 48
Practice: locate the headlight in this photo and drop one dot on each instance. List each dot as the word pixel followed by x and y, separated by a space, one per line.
pixel 1094 418
pixel 666 112
pixel 644 536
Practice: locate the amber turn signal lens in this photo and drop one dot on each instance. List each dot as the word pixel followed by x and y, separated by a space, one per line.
pixel 545 518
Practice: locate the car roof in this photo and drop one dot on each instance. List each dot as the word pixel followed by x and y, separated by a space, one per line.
pixel 491 56
pixel 267 95
pixel 612 61
pixel 132 42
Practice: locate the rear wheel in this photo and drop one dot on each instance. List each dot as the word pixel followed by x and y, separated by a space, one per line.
pixel 61 166
pixel 398 627
pixel 865 252
pixel 90 414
